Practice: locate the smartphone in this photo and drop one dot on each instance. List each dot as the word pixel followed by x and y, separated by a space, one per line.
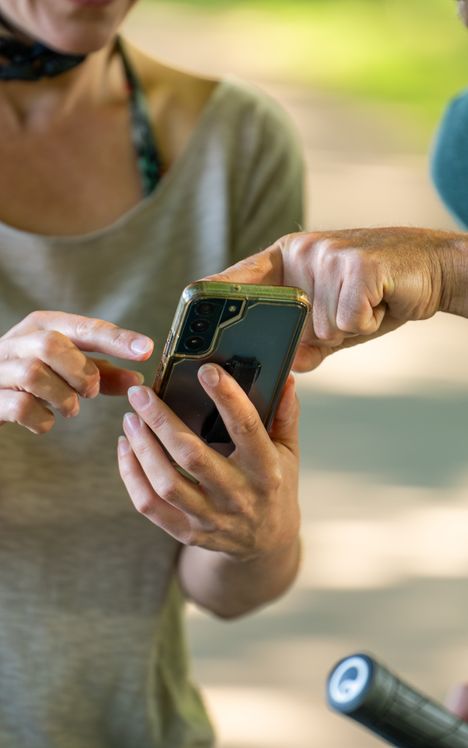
pixel 363 689
pixel 251 331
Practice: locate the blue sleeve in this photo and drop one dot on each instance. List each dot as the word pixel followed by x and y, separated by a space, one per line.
pixel 449 165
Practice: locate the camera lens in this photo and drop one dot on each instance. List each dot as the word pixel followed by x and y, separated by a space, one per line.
pixel 199 325
pixel 204 308
pixel 194 343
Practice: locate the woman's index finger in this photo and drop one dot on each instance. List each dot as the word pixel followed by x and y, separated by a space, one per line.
pixel 89 334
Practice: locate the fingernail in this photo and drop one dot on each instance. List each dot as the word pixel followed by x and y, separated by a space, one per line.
pixel 94 390
pixel 139 376
pixel 138 396
pixel 132 422
pixel 74 410
pixel 209 374
pixel 123 447
pixel 141 345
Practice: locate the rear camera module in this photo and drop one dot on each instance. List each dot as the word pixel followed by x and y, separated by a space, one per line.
pixel 199 325
pixel 194 343
pixel 204 309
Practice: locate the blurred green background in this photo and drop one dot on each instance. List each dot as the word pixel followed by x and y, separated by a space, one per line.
pixel 408 53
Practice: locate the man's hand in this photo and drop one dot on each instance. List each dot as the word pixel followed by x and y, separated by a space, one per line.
pixel 363 282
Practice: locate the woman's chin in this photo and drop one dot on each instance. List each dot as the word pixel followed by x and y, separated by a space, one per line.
pixel 70 26
pixel 75 43
pixel 80 26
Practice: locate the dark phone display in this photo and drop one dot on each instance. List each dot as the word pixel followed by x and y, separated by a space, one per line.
pixel 254 340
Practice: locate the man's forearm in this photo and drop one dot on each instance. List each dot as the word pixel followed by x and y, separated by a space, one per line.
pixel 454 263
pixel 228 587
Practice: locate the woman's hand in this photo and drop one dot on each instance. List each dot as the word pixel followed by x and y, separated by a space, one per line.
pixel 43 367
pixel 244 505
pixel 241 520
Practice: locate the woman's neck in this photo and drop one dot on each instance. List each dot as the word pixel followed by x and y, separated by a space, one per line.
pixel 34 105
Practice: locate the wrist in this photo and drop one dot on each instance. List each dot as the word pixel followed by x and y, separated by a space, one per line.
pixel 230 586
pixel 286 556
pixel 453 263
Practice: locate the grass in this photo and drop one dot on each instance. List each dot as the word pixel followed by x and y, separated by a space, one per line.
pixel 411 54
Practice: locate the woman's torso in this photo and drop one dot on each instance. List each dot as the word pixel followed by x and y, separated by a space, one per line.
pixel 91 639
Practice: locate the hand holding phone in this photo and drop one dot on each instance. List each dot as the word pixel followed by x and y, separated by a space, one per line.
pixel 251 331
pixel 245 504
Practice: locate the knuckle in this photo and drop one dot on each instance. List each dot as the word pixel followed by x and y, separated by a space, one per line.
pixel 352 317
pixel 361 263
pixel 212 524
pixel 193 457
pixel 34 373
pixel 250 541
pixel 323 328
pixel 367 258
pixel 326 249
pixel 32 316
pixel 296 237
pixel 273 479
pixel 53 343
pixel 125 470
pixel 330 258
pixel 143 504
pixel 299 245
pixel 85 327
pixel 35 318
pixel 241 503
pixel 221 526
pixel 248 425
pixel 21 406
pixel 168 488
pixel 356 258
pixel 158 420
pixel 144 450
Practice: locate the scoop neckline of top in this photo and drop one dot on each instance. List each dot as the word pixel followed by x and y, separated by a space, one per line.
pixel 142 205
